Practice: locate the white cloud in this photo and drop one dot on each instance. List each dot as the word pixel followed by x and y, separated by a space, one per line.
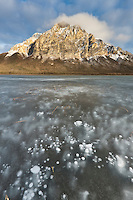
pixel 121 21
pixel 4 47
pixel 90 23
pixel 9 6
pixel 123 38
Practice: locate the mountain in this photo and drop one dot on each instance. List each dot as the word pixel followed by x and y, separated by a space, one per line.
pixel 66 49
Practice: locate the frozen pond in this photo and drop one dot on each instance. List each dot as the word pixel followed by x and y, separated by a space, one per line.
pixel 66 138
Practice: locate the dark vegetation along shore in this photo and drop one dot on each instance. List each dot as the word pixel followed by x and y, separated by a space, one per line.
pixel 16 64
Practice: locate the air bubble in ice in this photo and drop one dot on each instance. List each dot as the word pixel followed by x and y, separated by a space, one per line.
pixel 19 173
pixel 35 169
pixel 78 123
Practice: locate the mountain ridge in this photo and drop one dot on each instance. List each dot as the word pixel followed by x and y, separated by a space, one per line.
pixel 64 35
pixel 70 46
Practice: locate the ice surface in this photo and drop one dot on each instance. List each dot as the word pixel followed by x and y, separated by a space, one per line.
pixel 66 137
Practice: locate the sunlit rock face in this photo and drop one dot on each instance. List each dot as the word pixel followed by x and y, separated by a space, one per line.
pixel 66 42
pixel 24 47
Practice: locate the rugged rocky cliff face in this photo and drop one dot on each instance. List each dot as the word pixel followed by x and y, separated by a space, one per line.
pixel 73 45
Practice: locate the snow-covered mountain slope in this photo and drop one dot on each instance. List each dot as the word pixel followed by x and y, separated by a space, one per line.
pixel 23 48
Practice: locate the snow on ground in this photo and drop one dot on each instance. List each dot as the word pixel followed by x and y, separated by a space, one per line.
pixel 66 140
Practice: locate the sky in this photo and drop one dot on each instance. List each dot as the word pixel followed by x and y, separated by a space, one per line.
pixel 109 20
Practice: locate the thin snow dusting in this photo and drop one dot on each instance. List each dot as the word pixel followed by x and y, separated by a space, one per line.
pixel 66 137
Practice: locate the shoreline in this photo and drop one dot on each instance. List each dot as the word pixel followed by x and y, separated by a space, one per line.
pixel 63 74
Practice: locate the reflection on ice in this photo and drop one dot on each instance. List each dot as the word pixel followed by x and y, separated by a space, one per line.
pixel 66 138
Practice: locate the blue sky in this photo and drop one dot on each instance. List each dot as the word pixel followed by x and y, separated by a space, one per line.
pixel 110 20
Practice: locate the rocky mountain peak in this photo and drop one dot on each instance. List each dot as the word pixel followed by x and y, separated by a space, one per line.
pixel 64 41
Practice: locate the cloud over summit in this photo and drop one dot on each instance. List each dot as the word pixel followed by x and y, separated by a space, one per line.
pixel 90 23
